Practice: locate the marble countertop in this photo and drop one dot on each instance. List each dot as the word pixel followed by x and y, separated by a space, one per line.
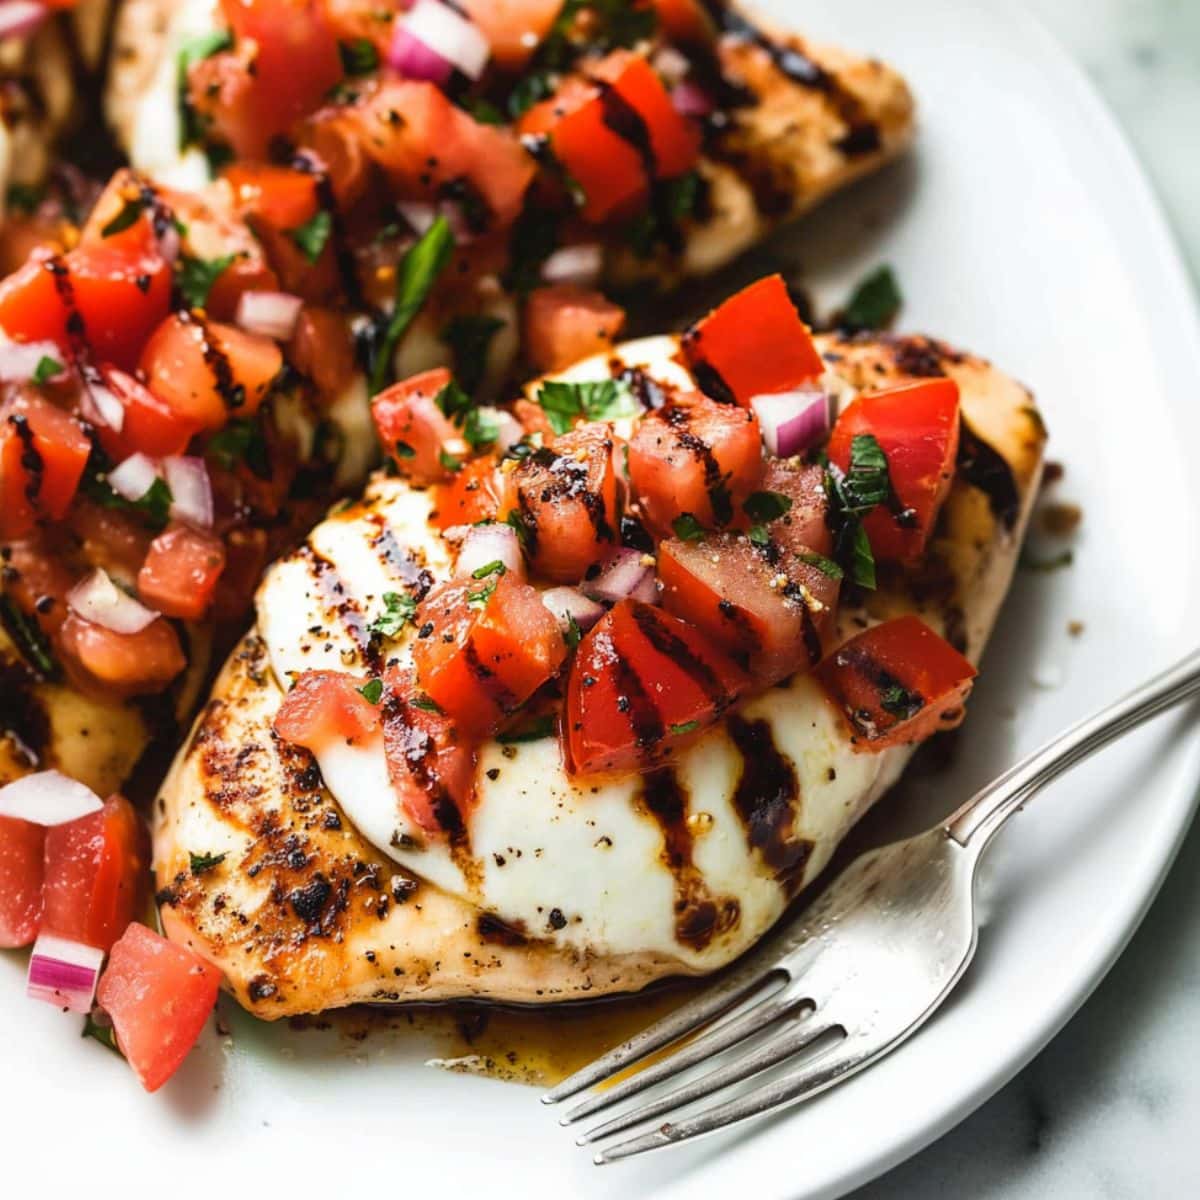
pixel 1110 1108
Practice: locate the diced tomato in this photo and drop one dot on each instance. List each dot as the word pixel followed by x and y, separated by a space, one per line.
pixel 695 456
pixel 431 767
pixel 674 139
pixel 117 665
pixel 96 874
pixel 643 684
pixel 112 539
pixel 473 496
pixel 425 142
pixel 685 21
pixel 281 196
pixel 491 643
pixel 414 430
pixel 284 62
pixel 181 571
pixel 804 527
pixel 321 349
pixel 117 296
pixel 36 570
pixel 43 452
pixel 333 135
pixel 897 683
pixel 754 344
pixel 513 28
pixel 207 372
pixel 917 427
pixel 566 322
pixel 149 426
pixel 21 869
pixel 608 169
pixel 772 610
pixel 158 994
pixel 564 497
pixel 325 706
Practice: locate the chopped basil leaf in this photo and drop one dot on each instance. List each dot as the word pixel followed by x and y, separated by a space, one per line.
pixel 853 494
pixel 900 702
pixel 371 691
pixel 404 450
pixel 195 277
pixel 156 503
pixel 46 369
pixel 241 441
pixel 104 1034
pixel 759 535
pixel 426 704
pixel 200 863
pixel 204 45
pixel 766 506
pixel 399 608
pixel 313 236
pixel 867 483
pixel 516 522
pixel 480 429
pixel 453 401
pixel 469 338
pixel 874 303
pixel 448 461
pixel 535 731
pixel 860 561
pixel 28 638
pixel 130 211
pixel 480 598
pixel 418 272
pixel 1046 565
pixel 825 565
pixel 572 635
pixel 604 400
pixel 687 528
pixel 530 90
pixel 194 50
pixel 359 56
pixel 495 567
pixel 685 727
pixel 484 111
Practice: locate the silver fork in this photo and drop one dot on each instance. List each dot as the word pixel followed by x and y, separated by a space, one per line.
pixel 860 970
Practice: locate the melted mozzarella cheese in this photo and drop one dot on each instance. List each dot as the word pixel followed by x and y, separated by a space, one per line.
pixel 580 862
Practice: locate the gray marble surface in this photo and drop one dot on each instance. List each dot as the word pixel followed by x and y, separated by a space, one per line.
pixel 1112 1107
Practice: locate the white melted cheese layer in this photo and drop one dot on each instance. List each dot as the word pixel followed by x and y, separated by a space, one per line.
pixel 578 862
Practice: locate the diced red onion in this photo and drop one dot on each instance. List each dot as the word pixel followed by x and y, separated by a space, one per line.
pixel 101 407
pixel 486 544
pixel 20 17
pixel 63 973
pixel 580 264
pixel 691 99
pixel 433 40
pixel 568 602
pixel 509 430
pixel 19 360
pixel 134 477
pixel 48 798
pixel 792 422
pixel 624 576
pixel 99 600
pixel 272 314
pixel 191 490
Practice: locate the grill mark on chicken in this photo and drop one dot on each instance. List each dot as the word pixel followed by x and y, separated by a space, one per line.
pixel 982 467
pixel 338 603
pixel 399 559
pixel 698 916
pixel 23 718
pixel 767 799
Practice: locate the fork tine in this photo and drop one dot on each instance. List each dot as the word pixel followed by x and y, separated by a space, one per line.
pixel 719 1038
pixel 669 1029
pixel 823 1072
pixel 778 1049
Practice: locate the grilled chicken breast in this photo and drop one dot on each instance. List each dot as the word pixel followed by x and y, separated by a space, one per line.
pixel 561 890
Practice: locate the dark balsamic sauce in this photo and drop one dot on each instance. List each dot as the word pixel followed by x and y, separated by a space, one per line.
pixel 985 468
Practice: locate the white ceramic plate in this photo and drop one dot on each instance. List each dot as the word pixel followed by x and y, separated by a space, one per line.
pixel 1023 229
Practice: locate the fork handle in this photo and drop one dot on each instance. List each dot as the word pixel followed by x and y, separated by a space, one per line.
pixel 978 821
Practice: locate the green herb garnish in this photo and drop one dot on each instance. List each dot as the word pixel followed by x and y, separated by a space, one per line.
pixel 28 638
pixel 495 567
pixel 46 369
pixel 685 727
pixel 359 56
pixel 604 400
pixel 104 1034
pixel 687 528
pixel 759 536
pixel 874 302
pixel 195 277
pixel 426 704
pixel 418 272
pixel 371 691
pixel 130 211
pixel 900 702
pixel 535 731
pixel 825 565
pixel 194 50
pixel 516 523
pixel 480 598
pixel 453 401
pixel 241 441
pixel 404 450
pixel 313 236
pixel 765 507
pixel 200 863
pixel 399 609
pixel 448 461
pixel 572 635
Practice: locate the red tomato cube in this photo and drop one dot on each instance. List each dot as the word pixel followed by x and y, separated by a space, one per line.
pixel 21 859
